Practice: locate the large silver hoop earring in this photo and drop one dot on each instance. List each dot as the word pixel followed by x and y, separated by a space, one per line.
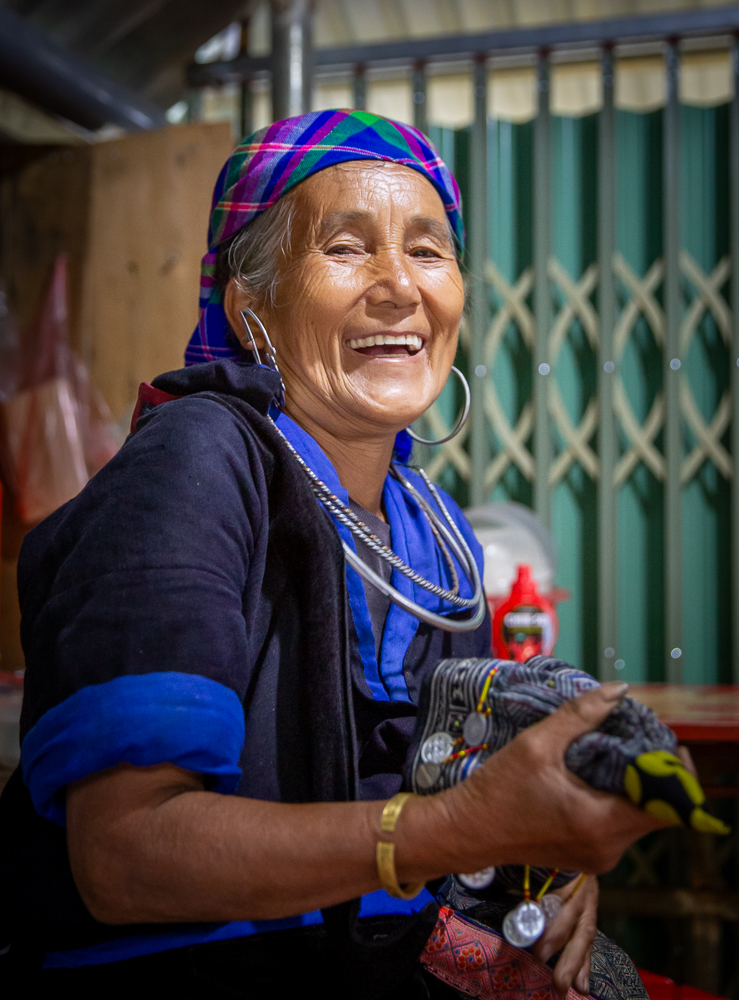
pixel 269 354
pixel 462 417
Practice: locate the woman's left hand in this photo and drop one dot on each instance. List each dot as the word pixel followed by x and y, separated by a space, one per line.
pixel 572 931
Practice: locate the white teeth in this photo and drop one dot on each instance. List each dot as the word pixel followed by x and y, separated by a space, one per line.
pixel 404 338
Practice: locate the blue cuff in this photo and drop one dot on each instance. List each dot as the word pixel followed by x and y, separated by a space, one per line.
pixel 374 904
pixel 382 904
pixel 144 719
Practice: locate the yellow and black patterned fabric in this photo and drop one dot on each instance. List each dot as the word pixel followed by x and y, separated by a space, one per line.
pixel 660 784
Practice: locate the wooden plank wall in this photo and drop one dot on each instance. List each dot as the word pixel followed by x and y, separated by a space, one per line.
pixel 132 217
pixel 150 199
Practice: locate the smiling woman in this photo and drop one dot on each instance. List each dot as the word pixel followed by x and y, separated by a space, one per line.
pixel 365 313
pixel 227 631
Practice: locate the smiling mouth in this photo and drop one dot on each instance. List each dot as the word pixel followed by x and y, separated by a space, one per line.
pixel 387 345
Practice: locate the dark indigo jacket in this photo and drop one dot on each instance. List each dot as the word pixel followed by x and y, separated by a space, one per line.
pixel 190 606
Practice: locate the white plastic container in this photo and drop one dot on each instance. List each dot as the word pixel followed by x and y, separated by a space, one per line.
pixel 511 534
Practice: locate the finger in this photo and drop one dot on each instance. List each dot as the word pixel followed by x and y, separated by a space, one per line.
pixel 561 930
pixel 582 979
pixel 576 952
pixel 687 760
pixel 573 961
pixel 582 714
pixel 556 935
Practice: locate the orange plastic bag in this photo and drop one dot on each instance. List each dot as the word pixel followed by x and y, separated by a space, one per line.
pixel 55 424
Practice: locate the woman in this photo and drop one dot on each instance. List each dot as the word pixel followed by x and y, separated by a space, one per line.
pixel 218 705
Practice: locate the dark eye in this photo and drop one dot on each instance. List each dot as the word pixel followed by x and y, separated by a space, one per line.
pixel 426 252
pixel 342 250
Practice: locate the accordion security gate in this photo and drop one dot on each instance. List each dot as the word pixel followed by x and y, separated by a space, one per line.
pixel 603 356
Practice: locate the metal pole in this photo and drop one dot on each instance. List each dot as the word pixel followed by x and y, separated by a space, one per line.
pixel 246 100
pixel 359 87
pixel 607 497
pixel 292 58
pixel 542 299
pixel 246 109
pixel 477 218
pixel 194 99
pixel 420 104
pixel 671 371
pixel 719 20
pixel 734 181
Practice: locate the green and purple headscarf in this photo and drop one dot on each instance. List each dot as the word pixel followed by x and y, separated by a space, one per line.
pixel 271 162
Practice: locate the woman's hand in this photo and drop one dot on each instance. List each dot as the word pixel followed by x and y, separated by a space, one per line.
pixel 149 844
pixel 523 806
pixel 572 931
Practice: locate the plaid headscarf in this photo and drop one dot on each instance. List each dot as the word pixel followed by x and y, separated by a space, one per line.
pixel 272 161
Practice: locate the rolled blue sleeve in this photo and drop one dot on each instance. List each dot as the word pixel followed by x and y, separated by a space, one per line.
pixel 146 719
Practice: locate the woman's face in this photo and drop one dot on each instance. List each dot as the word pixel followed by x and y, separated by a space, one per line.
pixel 366 316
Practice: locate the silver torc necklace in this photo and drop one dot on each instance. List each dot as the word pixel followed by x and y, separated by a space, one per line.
pixel 448 537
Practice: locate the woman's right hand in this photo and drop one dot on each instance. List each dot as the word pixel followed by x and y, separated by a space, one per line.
pixel 524 806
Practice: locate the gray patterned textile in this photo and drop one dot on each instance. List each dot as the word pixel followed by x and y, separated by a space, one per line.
pixel 519 695
pixel 452 738
pixel 613 976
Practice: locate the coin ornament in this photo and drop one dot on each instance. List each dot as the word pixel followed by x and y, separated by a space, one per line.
pixel 427 775
pixel 437 748
pixel 475 729
pixel 524 925
pixel 552 905
pixel 477 880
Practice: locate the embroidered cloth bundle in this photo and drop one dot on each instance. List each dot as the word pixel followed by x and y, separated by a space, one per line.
pixel 475 960
pixel 472 958
pixel 471 708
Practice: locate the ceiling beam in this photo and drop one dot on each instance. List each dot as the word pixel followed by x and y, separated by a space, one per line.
pixel 65 85
pixel 703 21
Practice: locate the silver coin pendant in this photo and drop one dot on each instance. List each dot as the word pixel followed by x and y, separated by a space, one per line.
pixel 552 905
pixel 427 775
pixel 524 925
pixel 475 729
pixel 437 748
pixel 478 880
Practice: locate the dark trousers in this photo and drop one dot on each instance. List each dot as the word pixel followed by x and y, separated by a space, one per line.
pixel 273 966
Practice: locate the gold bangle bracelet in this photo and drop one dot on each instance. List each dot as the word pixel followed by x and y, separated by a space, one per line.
pixel 386 851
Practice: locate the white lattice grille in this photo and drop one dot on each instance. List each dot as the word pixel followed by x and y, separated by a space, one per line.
pixel 640 437
pixel 576 306
pixel 512 440
pixel 707 300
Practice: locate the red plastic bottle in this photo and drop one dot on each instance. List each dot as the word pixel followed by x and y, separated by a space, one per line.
pixel 525 623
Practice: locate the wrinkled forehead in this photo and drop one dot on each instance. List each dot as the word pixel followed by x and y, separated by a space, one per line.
pixel 372 190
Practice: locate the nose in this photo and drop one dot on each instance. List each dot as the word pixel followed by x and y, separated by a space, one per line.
pixel 394 284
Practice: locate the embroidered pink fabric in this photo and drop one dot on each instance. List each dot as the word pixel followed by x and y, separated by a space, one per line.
pixel 478 961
